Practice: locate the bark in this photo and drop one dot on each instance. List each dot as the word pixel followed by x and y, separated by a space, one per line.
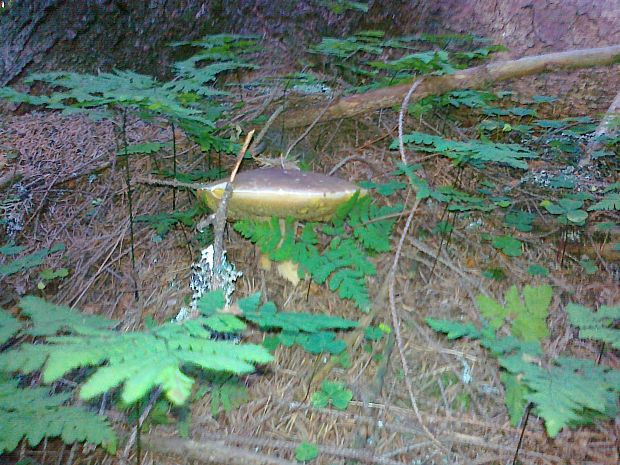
pixel 91 35
pixel 470 78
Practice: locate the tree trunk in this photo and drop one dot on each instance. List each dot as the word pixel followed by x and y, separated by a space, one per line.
pixel 91 35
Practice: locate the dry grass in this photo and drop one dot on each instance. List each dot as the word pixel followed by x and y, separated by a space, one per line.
pixel 78 197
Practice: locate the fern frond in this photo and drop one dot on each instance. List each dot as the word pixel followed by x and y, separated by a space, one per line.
pixel 49 319
pixel 33 414
pixel 474 152
pixel 268 317
pixel 9 326
pixel 139 361
pixel 596 325
pixel 359 228
pixel 565 393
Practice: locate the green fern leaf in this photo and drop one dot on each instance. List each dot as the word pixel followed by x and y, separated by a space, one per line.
pixel 268 317
pixel 343 263
pixel 453 329
pixel 530 317
pixel 9 326
pixel 480 152
pixel 515 399
pixel 492 311
pixel 12 95
pixel 228 394
pixel 610 202
pixel 596 325
pixel 315 343
pixel 508 344
pixel 34 414
pixel 164 222
pixel 29 261
pixel 567 391
pixel 49 319
pixel 373 235
pixel 145 148
pixel 351 284
pixel 140 360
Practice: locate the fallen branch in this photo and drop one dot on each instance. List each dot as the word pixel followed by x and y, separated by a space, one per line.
pixel 208 451
pixel 470 78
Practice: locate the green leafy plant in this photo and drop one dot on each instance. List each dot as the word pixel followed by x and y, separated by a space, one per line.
pixel 520 220
pixel 598 325
pixel 363 60
pixel 34 413
pixel 537 270
pixel 306 451
pixel 354 234
pixel 333 393
pixel 312 332
pixel 164 222
pixel 610 202
pixel 589 266
pixel 473 152
pixel 9 326
pixel 48 275
pixel 227 393
pixel 564 391
pixel 508 245
pixel 168 355
pixel 567 210
pixel 159 355
pixel 28 261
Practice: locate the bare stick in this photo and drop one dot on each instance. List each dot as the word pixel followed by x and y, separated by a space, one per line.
pixel 401 118
pixel 213 452
pixel 307 131
pixel 266 127
pixel 244 149
pixel 145 413
pixel 168 183
pixel 392 274
pixel 219 220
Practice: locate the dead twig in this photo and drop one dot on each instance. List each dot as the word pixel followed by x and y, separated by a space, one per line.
pixel 219 218
pixel 310 127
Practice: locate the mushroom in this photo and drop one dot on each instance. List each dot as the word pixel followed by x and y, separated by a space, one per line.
pixel 267 192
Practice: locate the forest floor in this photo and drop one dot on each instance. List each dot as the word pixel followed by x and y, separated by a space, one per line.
pixel 72 191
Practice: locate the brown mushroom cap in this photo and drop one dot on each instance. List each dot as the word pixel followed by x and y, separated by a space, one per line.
pixel 268 192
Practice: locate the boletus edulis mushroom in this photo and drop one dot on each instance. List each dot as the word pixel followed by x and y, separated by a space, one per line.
pixel 268 192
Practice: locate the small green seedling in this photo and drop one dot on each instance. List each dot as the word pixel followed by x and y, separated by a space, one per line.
pixel 520 220
pixel 508 245
pixel 537 270
pixel 306 451
pixel 589 266
pixel 332 392
pixel 48 275
pixel 568 211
